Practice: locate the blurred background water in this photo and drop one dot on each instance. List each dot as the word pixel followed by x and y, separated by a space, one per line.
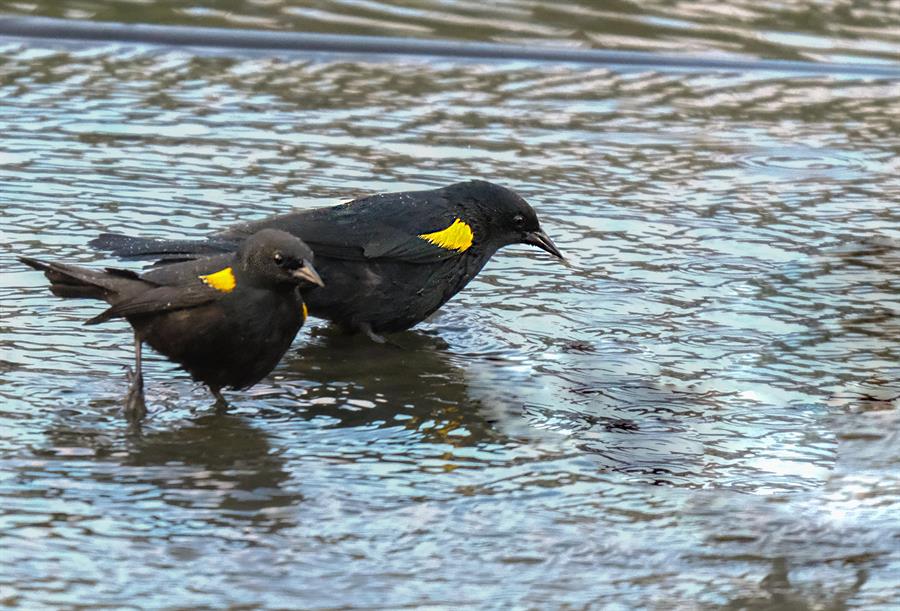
pixel 701 410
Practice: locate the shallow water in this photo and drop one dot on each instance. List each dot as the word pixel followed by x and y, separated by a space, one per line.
pixel 701 409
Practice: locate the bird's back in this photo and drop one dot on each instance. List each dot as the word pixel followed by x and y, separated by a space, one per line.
pixel 362 229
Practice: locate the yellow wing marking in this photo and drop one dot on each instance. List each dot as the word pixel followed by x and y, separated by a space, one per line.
pixel 457 236
pixel 222 280
pixel 305 311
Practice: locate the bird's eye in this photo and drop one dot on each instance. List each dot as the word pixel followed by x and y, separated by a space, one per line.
pixel 279 259
pixel 519 221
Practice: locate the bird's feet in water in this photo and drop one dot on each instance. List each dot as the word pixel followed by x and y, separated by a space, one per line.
pixel 366 328
pixel 135 408
pixel 221 405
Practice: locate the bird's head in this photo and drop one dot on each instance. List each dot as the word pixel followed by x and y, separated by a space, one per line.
pixel 272 258
pixel 508 217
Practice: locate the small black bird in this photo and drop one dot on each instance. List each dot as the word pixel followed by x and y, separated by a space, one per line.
pixel 389 260
pixel 226 319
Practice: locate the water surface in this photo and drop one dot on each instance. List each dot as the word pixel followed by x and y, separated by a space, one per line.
pixel 701 409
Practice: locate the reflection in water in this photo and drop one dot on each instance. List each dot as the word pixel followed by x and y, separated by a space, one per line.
pixel 868 268
pixel 354 382
pixel 779 593
pixel 789 30
pixel 239 468
pixel 220 466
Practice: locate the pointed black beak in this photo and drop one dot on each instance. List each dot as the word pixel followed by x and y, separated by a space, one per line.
pixel 307 273
pixel 542 240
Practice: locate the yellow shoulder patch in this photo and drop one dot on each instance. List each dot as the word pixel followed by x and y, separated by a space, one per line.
pixel 305 312
pixel 457 236
pixel 222 280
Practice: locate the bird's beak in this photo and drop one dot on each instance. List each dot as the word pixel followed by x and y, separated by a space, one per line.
pixel 542 240
pixel 308 273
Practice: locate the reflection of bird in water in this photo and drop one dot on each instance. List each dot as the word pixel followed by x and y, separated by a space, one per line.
pixel 416 383
pixel 413 383
pixel 219 466
pixel 863 280
pixel 867 277
pixel 781 595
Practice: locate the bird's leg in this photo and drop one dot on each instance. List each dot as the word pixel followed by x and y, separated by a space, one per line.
pixel 135 408
pixel 221 404
pixel 367 329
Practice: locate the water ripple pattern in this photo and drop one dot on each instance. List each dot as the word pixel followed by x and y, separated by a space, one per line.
pixel 804 30
pixel 700 410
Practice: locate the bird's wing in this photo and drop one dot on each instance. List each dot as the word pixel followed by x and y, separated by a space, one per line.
pixel 392 226
pixel 414 226
pixel 429 246
pixel 175 287
pixel 158 300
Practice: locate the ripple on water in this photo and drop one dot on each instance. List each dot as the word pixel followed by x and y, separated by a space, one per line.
pixel 806 164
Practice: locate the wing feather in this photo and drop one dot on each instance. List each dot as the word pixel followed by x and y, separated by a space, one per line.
pixel 387 226
pixel 158 300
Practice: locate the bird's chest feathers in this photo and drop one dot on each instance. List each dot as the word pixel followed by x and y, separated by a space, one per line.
pixel 251 312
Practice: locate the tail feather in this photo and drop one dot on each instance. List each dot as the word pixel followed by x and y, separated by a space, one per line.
pixel 77 291
pixel 168 251
pixel 71 281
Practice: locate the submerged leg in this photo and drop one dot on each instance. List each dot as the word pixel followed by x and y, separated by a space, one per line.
pixel 135 408
pixel 221 404
pixel 367 329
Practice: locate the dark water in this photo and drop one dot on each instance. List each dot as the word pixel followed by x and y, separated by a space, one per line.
pixel 701 410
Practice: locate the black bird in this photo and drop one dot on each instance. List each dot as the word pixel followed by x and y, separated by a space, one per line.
pixel 389 260
pixel 226 319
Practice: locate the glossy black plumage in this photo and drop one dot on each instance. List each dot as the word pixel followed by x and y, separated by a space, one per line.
pixel 382 272
pixel 226 319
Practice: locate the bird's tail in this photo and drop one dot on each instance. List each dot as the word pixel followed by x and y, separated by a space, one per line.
pixel 165 251
pixel 71 281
